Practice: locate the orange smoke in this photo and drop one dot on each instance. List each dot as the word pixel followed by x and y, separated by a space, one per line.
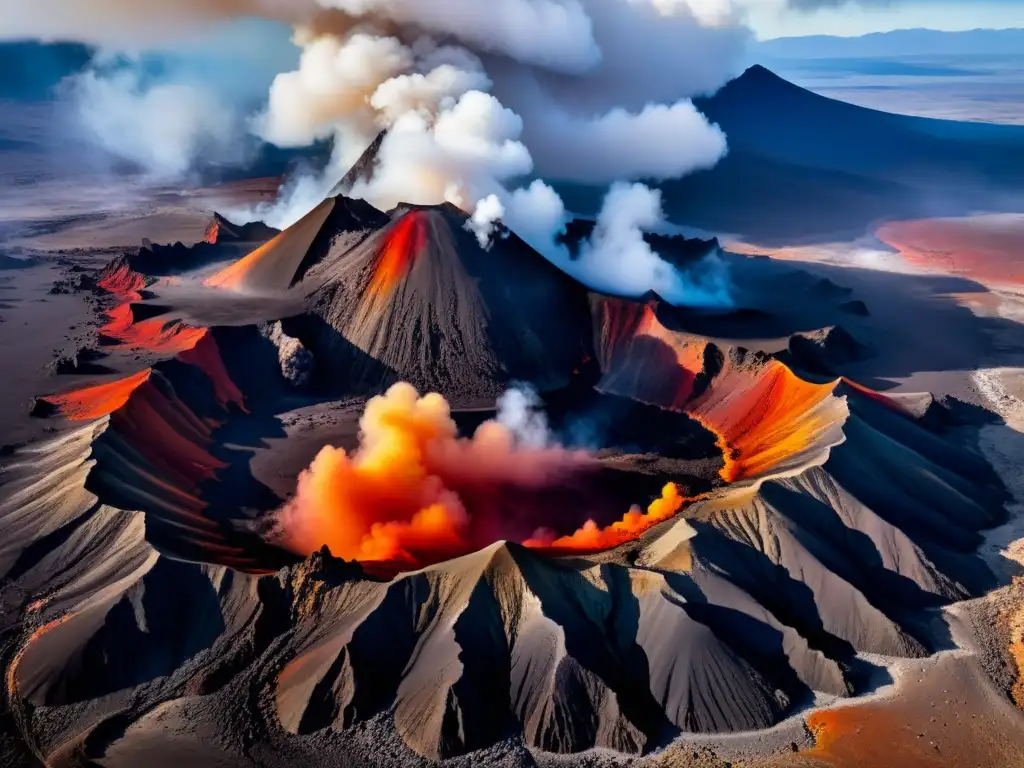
pixel 398 497
pixel 94 402
pixel 415 493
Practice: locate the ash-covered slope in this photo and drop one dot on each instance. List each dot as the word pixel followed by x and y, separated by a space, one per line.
pixel 280 263
pixel 843 515
pixel 420 300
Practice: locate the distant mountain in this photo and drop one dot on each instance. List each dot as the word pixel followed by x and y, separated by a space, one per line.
pixel 800 164
pixel 898 43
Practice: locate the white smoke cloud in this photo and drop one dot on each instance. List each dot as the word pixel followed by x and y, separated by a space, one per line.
pixel 164 129
pixel 467 152
pixel 330 91
pixel 520 410
pixel 618 260
pixel 659 142
pixel 485 218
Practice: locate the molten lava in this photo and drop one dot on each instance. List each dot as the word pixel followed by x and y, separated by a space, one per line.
pixel 415 493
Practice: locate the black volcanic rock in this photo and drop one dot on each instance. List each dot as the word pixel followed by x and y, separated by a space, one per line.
pixel 362 169
pixel 220 230
pixel 856 307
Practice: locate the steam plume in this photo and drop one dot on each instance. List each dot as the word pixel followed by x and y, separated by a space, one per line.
pixel 618 260
pixel 164 129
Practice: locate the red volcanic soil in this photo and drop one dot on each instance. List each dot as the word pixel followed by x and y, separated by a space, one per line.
pixel 759 425
pixel 205 354
pixel 97 401
pixel 103 399
pixel 986 248
pixel 762 413
pixel 155 335
pixel 952 719
pixel 122 281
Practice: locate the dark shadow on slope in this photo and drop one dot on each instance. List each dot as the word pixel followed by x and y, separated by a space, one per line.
pixel 761 645
pixel 169 618
pixel 770 584
pixel 621 664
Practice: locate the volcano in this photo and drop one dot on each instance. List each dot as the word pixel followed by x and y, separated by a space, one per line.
pixel 393 496
pixel 803 167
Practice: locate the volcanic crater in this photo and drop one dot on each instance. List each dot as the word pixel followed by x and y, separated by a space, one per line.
pixel 316 510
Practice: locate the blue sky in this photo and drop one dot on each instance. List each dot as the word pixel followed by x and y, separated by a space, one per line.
pixel 879 16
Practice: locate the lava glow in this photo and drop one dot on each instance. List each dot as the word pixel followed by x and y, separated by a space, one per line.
pixel 403 243
pixel 415 493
